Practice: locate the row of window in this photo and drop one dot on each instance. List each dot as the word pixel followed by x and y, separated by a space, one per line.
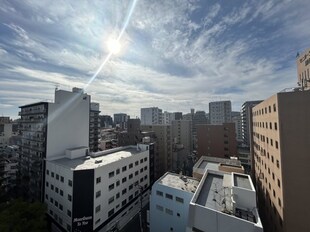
pixel 59 219
pixel 265 110
pixel 112 186
pixel 169 196
pixel 57 176
pixel 167 211
pixel 264 139
pixel 57 190
pixel 266 125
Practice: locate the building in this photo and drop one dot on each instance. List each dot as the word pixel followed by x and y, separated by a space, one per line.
pixel 182 143
pixel 94 127
pixel 120 120
pixel 236 118
pixel 167 117
pixel 217 140
pixel 178 115
pixel 151 116
pixel 47 130
pixel 220 112
pixel 7 130
pixel 245 157
pixel 169 202
pixel 246 121
pixel 281 152
pixel 106 121
pixel 303 66
pixel 100 192
pixel 163 159
pixel 224 202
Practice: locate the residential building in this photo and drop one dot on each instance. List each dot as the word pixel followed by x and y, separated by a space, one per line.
pixel 217 140
pixel 220 112
pixel 94 127
pixel 151 116
pixel 47 130
pixel 236 118
pixel 120 120
pixel 223 202
pixel 100 192
pixel 178 115
pixel 169 202
pixel 106 121
pixel 303 66
pixel 167 117
pixel 281 152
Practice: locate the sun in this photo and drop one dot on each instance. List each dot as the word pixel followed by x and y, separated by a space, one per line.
pixel 114 46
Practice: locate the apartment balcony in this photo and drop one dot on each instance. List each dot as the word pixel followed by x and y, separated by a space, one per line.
pixel 34 138
pixel 32 120
pixel 29 112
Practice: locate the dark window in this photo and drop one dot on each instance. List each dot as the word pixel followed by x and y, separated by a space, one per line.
pixel 62 179
pixel 61 192
pixel 124 202
pixel 136 163
pixel 130 186
pixel 117 171
pixel 169 196
pixel 47 172
pixel 98 208
pixel 130 176
pixel 275 126
pixel 111 212
pixel 136 173
pixel 124 191
pixel 111 199
pixel 124 168
pixel 124 180
pixel 130 165
pixel 70 183
pixel 60 207
pixel 52 174
pixel 111 186
pixel 111 174
pixel 69 213
pixel 57 177
pixel 69 197
pixel 117 195
pixel 52 187
pixel 98 194
pixel 179 199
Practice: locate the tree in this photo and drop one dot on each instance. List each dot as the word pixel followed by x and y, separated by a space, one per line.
pixel 22 216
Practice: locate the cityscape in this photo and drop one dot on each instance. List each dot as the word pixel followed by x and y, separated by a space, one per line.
pixel 154 116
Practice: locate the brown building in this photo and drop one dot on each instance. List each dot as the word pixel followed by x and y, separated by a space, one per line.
pixel 217 140
pixel 281 131
pixel 303 66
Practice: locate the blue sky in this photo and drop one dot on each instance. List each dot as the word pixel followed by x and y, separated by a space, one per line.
pixel 175 54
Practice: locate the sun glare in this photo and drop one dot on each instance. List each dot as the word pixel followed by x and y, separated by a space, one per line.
pixel 114 46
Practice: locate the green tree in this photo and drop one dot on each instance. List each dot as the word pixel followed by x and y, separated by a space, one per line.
pixel 22 216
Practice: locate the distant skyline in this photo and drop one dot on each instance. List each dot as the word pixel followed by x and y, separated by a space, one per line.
pixel 175 54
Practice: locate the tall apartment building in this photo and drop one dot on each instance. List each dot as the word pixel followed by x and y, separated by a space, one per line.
pixel 217 140
pixel 163 145
pixel 47 130
pixel 246 121
pixel 236 118
pixel 167 117
pixel 100 192
pixel 94 127
pixel 151 116
pixel 182 142
pixel 303 66
pixel 220 112
pixel 281 152
pixel 120 120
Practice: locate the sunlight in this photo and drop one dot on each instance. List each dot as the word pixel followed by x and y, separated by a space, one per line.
pixel 114 46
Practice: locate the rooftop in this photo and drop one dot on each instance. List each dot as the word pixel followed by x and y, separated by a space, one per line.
pixel 88 162
pixel 179 182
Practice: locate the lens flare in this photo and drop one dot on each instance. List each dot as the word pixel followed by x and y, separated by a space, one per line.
pixel 114 46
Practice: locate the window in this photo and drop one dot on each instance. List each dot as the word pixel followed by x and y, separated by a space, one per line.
pixel 124 168
pixel 141 180
pixel 51 212
pixel 169 196
pixel 52 187
pixel 145 168
pixel 98 208
pixel 117 195
pixel 70 183
pixel 178 214
pixel 277 145
pixel 279 184
pixel 69 197
pixel 61 192
pixel 56 190
pixel 169 211
pixel 160 208
pixel 47 172
pixel 124 180
pixel 117 183
pixel 60 207
pixel 98 194
pixel 111 212
pixel 279 202
pixel 111 186
pixel 46 196
pixel 57 177
pixel 46 184
pixel 117 171
pixel 69 213
pixel 141 161
pixel 270 125
pixel 275 126
pixel 278 163
pixel 130 176
pixel 179 199
pixel 130 165
pixel 62 179
pixel 136 173
pixel 272 158
pixel 145 177
pixel 136 163
pixel 124 191
pixel 111 199
pixel 130 186
pixel 51 200
pixel 52 174
pixel 56 203
pixel 145 159
pixel 141 170
pixel 124 202
pixel 274 108
pixel 111 174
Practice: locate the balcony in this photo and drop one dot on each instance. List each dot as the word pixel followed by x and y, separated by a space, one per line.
pixel 31 111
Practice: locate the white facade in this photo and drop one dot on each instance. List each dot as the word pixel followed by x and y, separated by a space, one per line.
pixel 220 112
pixel 169 202
pixel 5 135
pixel 151 116
pixel 109 183
pixel 167 117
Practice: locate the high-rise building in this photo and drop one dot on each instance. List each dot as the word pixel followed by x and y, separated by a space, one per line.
pixel 47 130
pixel 217 140
pixel 236 118
pixel 97 192
pixel 220 112
pixel 94 127
pixel 106 121
pixel 281 151
pixel 120 120
pixel 167 117
pixel 246 121
pixel 303 66
pixel 151 116
pixel 178 115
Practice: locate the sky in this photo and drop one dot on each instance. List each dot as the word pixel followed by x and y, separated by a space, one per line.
pixel 176 54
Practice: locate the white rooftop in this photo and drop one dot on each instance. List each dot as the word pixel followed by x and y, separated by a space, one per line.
pixel 179 182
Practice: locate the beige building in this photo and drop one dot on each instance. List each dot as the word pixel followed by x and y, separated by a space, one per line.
pixel 217 140
pixel 303 66
pixel 281 131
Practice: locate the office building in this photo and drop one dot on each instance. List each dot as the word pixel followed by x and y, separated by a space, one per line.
pixel 120 121
pixel 167 117
pixel 169 202
pixel 178 115
pixel 151 116
pixel 217 140
pixel 281 152
pixel 47 130
pixel 106 121
pixel 94 127
pixel 220 112
pixel 236 118
pixel 303 66
pixel 101 191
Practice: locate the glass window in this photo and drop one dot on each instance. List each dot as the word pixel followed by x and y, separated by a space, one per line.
pixel 69 197
pixel 98 208
pixel 111 174
pixel 169 196
pixel 124 168
pixel 179 199
pixel 98 194
pixel 98 180
pixel 70 183
pixel 111 186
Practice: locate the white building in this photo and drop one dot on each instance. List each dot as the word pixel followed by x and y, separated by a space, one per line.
pixel 169 204
pixel 167 117
pixel 220 112
pixel 224 202
pixel 97 192
pixel 151 116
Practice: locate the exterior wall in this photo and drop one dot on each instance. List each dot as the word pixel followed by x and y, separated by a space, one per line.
pixel 282 165
pixel 217 140
pixel 303 66
pixel 220 112
pixel 237 120
pixel 176 219
pixel 121 120
pixel 68 122
pixel 151 116
pixel 167 117
pixel 94 126
pixel 5 135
